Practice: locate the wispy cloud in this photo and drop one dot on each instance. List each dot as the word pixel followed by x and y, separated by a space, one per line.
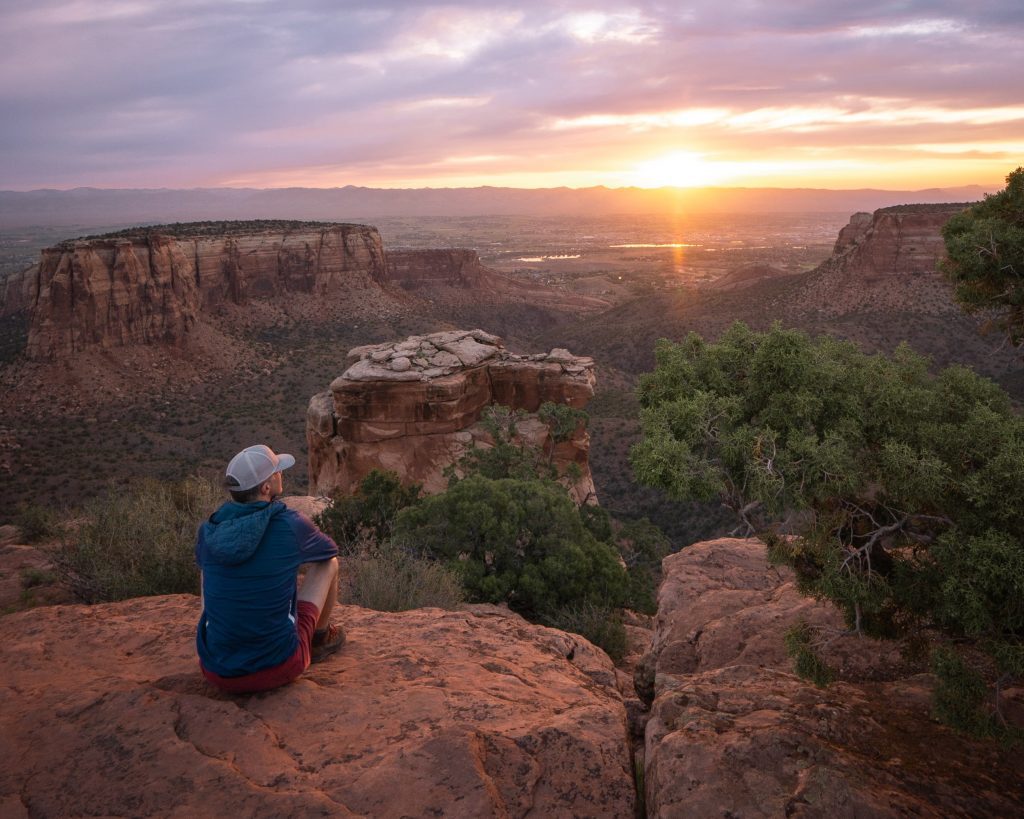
pixel 194 92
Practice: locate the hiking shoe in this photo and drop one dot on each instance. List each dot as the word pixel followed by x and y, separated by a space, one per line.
pixel 326 641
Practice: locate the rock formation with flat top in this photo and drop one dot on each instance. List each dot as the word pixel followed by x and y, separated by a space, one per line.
pixel 103 712
pixel 449 267
pixel 888 260
pixel 151 284
pixel 415 406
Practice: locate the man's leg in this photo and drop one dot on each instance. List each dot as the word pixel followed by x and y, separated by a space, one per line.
pixel 320 587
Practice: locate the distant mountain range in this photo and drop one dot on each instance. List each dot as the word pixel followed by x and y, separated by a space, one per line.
pixel 100 206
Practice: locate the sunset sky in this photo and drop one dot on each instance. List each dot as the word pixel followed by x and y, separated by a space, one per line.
pixel 245 93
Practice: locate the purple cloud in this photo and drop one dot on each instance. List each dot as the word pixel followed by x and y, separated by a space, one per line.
pixel 197 92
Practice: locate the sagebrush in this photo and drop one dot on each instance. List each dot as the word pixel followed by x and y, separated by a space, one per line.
pixel 388 578
pixel 137 541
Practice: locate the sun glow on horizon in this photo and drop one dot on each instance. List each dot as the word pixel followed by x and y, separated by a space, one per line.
pixel 690 169
pixel 681 169
pixel 916 167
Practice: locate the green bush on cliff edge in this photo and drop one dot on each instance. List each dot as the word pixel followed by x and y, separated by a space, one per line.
pixel 899 491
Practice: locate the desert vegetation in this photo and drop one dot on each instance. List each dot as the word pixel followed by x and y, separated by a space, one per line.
pixel 509 533
pixel 136 541
pixel 891 491
pixel 985 247
pixel 198 230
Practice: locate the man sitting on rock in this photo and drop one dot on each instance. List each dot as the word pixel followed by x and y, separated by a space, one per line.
pixel 258 630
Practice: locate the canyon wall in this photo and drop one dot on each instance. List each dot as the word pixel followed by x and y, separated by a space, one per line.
pixel 152 284
pixel 450 267
pixel 415 407
pixel 896 242
pixel 852 232
pixel 16 291
pixel 889 259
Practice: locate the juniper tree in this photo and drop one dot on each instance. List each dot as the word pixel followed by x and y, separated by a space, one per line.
pixel 902 488
pixel 985 256
pixel 522 542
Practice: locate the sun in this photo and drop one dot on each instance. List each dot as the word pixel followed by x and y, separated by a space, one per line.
pixel 681 169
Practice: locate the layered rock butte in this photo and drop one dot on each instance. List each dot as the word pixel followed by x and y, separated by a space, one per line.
pixel 415 406
pixel 889 259
pixel 151 285
pixel 450 267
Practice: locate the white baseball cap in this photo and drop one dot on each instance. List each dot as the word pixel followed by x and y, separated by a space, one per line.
pixel 254 465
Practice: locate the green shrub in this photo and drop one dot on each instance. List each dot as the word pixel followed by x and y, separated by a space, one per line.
pixel 985 256
pixel 597 623
pixel 642 546
pixel 138 541
pixel 562 422
pixel 902 488
pixel 392 579
pixel 36 522
pixel 369 514
pixel 807 663
pixel 598 522
pixel 515 541
pixel 959 695
pixel 509 457
pixel 33 576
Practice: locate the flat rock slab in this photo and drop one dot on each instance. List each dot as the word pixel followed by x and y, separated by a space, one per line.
pixel 424 713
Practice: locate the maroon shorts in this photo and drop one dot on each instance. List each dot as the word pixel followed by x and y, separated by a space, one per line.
pixel 278 675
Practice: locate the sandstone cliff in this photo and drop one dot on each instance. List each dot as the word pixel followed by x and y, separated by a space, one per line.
pixel 103 712
pixel 450 267
pixel 886 260
pixel 733 732
pixel 414 407
pixel 151 285
pixel 852 232
pixel 16 291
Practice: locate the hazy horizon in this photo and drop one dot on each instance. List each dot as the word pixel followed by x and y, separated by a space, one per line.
pixel 986 187
pixel 132 206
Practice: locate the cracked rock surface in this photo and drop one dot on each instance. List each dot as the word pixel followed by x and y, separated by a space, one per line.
pixel 440 354
pixel 733 732
pixel 423 713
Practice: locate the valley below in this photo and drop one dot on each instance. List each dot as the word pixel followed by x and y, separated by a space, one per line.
pixel 606 287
